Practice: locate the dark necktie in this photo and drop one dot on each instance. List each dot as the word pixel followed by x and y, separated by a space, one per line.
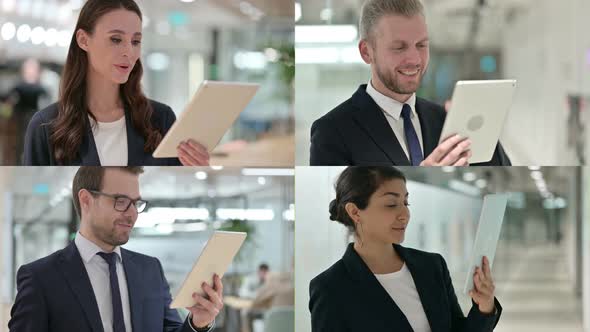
pixel 118 321
pixel 416 155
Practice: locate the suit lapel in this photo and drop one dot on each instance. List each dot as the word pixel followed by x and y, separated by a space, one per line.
pixel 135 142
pixel 429 140
pixel 373 289
pixel 371 118
pixel 73 270
pixel 133 275
pixel 427 287
pixel 88 152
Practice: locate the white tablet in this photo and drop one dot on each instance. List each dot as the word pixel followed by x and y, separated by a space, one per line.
pixel 488 233
pixel 478 111
pixel 211 112
pixel 215 258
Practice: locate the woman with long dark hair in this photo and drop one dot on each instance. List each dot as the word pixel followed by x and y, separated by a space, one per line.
pixel 379 285
pixel 102 116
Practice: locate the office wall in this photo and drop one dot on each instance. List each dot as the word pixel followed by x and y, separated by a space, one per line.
pixel 5 251
pixel 543 48
pixel 337 83
pixel 3 300
pixel 586 250
pixel 442 221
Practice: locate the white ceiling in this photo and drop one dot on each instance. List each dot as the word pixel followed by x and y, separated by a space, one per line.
pixel 449 21
pixel 200 17
pixel 515 179
pixel 155 183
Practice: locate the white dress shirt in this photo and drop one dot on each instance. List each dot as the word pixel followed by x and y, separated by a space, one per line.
pixel 98 272
pixel 393 113
pixel 400 286
pixel 111 142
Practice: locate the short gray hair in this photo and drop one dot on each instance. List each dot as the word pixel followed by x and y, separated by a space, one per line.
pixel 373 10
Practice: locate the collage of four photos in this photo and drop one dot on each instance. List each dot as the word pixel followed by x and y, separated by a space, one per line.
pixel 294 166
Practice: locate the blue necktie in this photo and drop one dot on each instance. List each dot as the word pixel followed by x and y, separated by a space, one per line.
pixel 118 321
pixel 416 155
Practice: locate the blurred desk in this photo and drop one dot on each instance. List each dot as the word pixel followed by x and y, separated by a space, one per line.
pixel 267 152
pixel 9 131
pixel 237 302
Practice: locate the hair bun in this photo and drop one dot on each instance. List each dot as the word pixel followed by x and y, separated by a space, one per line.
pixel 334 210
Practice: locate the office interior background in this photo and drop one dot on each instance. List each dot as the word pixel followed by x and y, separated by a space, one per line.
pixel 542 44
pixel 184 43
pixel 185 206
pixel 542 263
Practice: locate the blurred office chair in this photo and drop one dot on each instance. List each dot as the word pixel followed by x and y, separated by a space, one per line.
pixel 280 319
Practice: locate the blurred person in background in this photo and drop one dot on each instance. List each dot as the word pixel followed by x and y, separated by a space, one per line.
pixel 252 283
pixel 26 97
pixel 102 116
pixel 379 285
pixel 384 122
pixel 277 292
pixel 248 290
pixel 94 284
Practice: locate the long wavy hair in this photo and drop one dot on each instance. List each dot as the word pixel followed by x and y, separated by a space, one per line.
pixel 70 125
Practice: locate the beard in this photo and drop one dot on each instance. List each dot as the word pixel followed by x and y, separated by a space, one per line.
pixel 393 80
pixel 112 235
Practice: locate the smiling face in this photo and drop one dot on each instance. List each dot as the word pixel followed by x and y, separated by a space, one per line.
pixel 387 215
pixel 398 53
pixel 101 223
pixel 114 46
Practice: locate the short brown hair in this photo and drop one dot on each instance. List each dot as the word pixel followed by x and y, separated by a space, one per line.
pixel 90 178
pixel 373 10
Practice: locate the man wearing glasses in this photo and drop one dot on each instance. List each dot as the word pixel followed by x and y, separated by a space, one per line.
pixel 94 284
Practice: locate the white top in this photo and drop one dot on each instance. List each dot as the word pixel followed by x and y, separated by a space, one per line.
pixel 98 272
pixel 393 113
pixel 250 286
pixel 400 286
pixel 111 142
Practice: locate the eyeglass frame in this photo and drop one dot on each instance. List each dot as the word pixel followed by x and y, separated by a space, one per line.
pixel 116 197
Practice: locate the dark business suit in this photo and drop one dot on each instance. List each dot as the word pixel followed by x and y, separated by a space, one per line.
pixel 348 297
pixel 55 294
pixel 357 133
pixel 39 153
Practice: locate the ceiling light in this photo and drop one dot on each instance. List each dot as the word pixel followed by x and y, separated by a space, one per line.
pixel 268 171
pixel 8 31
pixel 297 11
pixel 23 33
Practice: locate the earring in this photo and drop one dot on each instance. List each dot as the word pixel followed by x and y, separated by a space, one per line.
pixel 360 233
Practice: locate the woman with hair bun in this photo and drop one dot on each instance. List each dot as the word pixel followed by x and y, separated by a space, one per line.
pixel 379 285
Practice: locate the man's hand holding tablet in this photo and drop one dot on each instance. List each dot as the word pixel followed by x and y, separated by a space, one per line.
pixel 454 151
pixel 207 307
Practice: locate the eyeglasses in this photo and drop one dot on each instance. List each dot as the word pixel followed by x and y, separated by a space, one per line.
pixel 122 202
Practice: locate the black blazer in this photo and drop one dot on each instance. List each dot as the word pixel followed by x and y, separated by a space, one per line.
pixel 348 297
pixel 357 133
pixel 39 153
pixel 55 294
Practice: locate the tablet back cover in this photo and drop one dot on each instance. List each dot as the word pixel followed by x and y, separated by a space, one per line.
pixel 488 234
pixel 215 258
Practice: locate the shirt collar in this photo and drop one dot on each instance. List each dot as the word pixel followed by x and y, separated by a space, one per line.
pixel 390 105
pixel 89 249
